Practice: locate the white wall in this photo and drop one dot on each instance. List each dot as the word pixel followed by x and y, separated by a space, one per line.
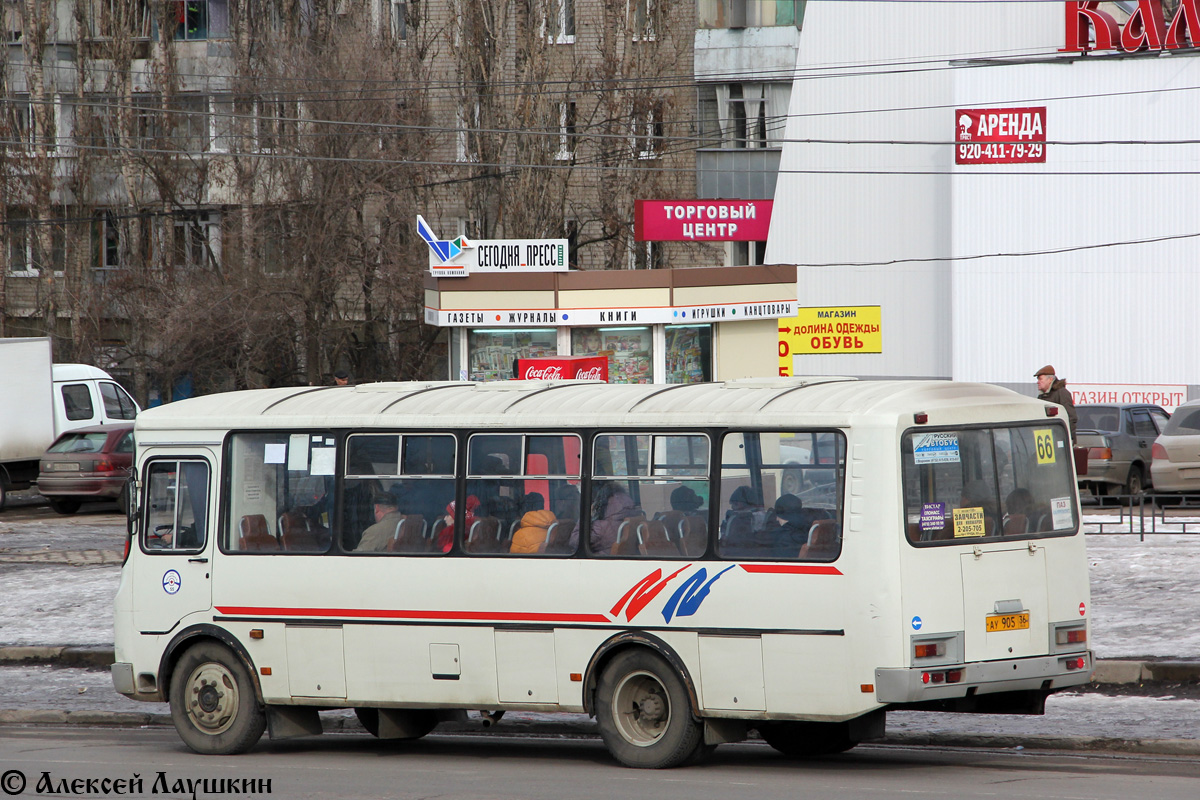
pixel 1125 314
pixel 887 72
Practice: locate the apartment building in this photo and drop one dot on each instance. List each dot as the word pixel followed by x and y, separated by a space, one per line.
pixel 207 194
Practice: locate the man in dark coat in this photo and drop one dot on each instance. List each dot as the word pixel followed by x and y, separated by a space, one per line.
pixel 1054 389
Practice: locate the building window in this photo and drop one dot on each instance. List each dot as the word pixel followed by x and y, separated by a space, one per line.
pixel 96 123
pixel 629 351
pixel 111 19
pixel 749 13
pixel 558 25
pixel 110 241
pixel 196 242
pixel 643 19
pixel 467 140
pixel 566 131
pixel 742 115
pixel 26 255
pixel 646 255
pixel 277 120
pixel 688 353
pixel 10 15
pixel 491 354
pixel 18 121
pixel 747 253
pixel 191 17
pixel 647 121
pixel 222 128
pixel 398 17
pixel 114 247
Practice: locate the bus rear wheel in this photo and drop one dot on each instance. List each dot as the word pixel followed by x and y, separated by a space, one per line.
pixel 807 739
pixel 644 714
pixel 212 701
pixel 413 722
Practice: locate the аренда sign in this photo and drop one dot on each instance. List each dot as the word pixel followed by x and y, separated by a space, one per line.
pixel 1000 135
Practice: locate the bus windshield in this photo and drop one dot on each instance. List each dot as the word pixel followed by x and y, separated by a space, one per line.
pixel 972 484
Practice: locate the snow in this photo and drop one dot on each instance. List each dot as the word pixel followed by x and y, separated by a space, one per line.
pixel 58 605
pixel 1145 594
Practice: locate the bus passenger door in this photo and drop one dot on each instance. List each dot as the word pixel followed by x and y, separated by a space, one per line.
pixel 175 539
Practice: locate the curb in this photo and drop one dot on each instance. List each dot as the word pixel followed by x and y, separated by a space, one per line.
pixel 587 729
pixel 59 655
pixel 1107 671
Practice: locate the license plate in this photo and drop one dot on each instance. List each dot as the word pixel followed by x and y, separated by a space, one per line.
pixel 1008 622
pixel 64 466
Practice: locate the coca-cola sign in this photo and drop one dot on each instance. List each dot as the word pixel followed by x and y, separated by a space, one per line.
pixel 1146 28
pixel 559 368
pixel 595 373
pixel 547 373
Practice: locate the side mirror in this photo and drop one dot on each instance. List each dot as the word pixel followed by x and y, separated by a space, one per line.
pixel 133 496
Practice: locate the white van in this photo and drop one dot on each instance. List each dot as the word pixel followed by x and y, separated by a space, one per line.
pixel 85 395
pixel 40 401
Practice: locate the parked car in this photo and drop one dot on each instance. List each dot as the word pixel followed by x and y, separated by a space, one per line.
pixel 1119 438
pixel 1176 466
pixel 91 463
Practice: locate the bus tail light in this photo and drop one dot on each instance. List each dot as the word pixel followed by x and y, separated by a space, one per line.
pixel 1051 411
pixel 920 418
pixel 1100 453
pixel 930 650
pixel 128 542
pixel 1075 663
pixel 1159 453
pixel 1076 636
pixel 949 676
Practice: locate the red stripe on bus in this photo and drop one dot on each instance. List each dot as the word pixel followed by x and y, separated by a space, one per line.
pixel 383 613
pixel 791 569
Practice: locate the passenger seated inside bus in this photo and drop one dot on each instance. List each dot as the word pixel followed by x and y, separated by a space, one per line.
pixel 301 528
pixel 387 519
pixel 792 522
pixel 1018 512
pixel 744 528
pixel 445 537
pixel 611 506
pixel 535 526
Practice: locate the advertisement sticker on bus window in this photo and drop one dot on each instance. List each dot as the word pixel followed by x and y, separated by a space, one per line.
pixel 1043 441
pixel 274 453
pixel 933 516
pixel 323 460
pixel 298 452
pixel 936 448
pixel 968 522
pixel 1060 513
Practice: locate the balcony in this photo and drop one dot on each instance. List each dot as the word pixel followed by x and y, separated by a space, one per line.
pixel 712 14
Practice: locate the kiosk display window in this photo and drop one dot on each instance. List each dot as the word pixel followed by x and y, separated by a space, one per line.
pixel 629 351
pixel 491 353
pixel 688 351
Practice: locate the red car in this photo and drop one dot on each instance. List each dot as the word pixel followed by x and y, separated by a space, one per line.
pixel 90 463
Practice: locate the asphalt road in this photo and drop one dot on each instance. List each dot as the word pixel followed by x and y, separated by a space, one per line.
pixel 495 767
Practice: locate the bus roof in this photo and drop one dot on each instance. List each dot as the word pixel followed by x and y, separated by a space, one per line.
pixel 776 402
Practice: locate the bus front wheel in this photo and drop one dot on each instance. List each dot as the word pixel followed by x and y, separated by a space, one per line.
pixel 643 711
pixel 212 701
pixel 807 739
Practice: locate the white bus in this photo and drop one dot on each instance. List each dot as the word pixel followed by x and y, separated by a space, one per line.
pixel 686 563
